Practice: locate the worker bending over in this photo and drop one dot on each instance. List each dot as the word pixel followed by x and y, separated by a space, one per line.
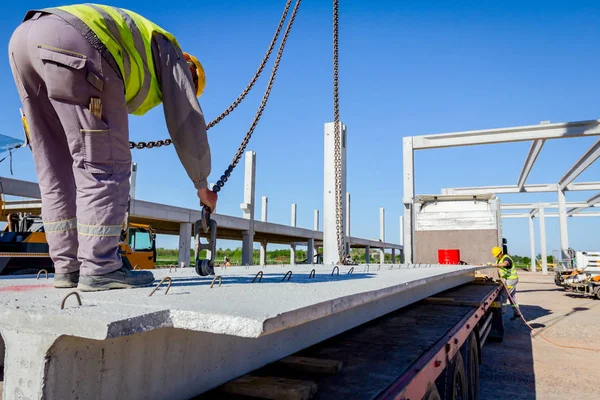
pixel 508 271
pixel 80 70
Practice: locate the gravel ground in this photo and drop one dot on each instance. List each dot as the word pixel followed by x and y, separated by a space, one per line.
pixel 522 367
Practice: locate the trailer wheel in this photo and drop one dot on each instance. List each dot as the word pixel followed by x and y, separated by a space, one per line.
pixel 470 353
pixel 432 394
pixel 452 383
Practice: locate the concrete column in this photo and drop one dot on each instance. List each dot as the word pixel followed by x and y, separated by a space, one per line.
pixel 293 245
pixel 348 223
pixel 248 207
pixel 132 180
pixel 185 243
pixel 409 194
pixel 348 214
pixel 401 242
pixel 263 218
pixel 382 234
pixel 316 228
pixel 330 240
pixel 368 254
pixel 543 239
pixel 532 244
pixel 393 256
pixel 310 251
pixel 562 219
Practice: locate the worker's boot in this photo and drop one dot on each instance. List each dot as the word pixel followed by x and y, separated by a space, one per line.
pixel 65 281
pixel 122 278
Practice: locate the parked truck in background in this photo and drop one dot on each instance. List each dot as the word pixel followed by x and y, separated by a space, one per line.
pixel 24 249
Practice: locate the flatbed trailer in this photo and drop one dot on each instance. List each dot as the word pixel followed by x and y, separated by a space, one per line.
pixel 429 350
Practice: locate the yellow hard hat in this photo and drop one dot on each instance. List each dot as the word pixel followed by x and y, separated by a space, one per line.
pixel 197 73
pixel 496 251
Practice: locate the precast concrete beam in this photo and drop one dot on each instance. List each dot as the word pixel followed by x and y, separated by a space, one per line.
pixel 587 159
pixel 536 188
pixel 507 135
pixel 16 187
pixel 127 345
pixel 532 156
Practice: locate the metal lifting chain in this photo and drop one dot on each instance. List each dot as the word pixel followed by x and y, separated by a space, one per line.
pixel 238 155
pixel 343 257
pixel 240 98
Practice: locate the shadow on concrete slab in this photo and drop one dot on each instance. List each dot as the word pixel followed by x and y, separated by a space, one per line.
pixel 269 278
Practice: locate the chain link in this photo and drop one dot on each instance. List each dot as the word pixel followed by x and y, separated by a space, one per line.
pixel 238 155
pixel 240 98
pixel 339 216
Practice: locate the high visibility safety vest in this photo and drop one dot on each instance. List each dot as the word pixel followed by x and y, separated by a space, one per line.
pixel 508 274
pixel 128 37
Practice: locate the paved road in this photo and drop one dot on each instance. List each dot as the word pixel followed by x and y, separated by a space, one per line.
pixel 526 368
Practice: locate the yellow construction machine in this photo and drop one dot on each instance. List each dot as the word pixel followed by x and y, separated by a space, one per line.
pixel 24 249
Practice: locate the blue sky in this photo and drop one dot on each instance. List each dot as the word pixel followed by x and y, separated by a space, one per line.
pixel 407 68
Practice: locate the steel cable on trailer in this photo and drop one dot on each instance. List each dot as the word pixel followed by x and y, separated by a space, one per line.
pixel 240 98
pixel 536 333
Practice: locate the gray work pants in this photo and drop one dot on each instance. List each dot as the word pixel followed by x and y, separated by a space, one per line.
pixel 511 285
pixel 83 162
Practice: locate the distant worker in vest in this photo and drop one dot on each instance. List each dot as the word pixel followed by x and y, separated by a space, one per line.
pixel 80 70
pixel 508 272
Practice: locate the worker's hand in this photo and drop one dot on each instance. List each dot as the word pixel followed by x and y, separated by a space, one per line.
pixel 208 198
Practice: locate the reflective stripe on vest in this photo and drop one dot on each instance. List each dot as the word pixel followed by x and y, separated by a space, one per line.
pixel 507 273
pixel 128 38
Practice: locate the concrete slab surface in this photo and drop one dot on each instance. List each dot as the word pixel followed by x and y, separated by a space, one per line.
pixel 238 307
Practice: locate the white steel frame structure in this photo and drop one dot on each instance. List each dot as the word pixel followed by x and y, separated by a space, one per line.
pixel 537 134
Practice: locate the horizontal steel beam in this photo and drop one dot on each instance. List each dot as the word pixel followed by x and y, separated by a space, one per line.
pixel 536 188
pixel 534 151
pixel 573 211
pixel 527 206
pixel 587 159
pixel 552 215
pixel 505 135
pixel 592 202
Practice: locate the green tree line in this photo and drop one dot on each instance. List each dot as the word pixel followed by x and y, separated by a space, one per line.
pixel 282 256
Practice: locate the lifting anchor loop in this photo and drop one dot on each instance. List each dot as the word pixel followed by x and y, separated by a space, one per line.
pixel 206 225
